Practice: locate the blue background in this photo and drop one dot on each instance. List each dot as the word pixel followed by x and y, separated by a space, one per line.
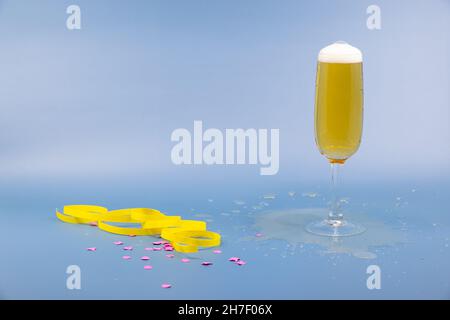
pixel 86 117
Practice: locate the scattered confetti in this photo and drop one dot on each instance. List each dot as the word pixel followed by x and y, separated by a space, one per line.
pixel 145 258
pixel 240 262
pixel 217 251
pixel 157 243
pixel 91 249
pixel 128 248
pixel 234 259
pixel 156 249
pixel 148 267
pixel 118 243
pixel 206 263
pixel 185 260
pixel 170 255
pixel 258 235
pixel 148 249
pixel 126 257
pixel 166 286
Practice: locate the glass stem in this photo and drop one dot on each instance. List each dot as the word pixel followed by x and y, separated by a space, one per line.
pixel 335 214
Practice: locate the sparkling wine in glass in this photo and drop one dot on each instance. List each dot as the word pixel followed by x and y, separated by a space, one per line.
pixel 338 124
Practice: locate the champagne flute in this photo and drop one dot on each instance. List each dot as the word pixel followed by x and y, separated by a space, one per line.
pixel 338 124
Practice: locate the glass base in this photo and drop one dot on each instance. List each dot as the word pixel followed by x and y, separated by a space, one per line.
pixel 334 228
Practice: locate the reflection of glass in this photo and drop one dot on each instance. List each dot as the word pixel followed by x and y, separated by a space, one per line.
pixel 338 123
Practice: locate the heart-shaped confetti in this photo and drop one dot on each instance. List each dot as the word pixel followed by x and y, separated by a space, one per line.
pixel 91 249
pixel 166 286
pixel 128 248
pixel 234 259
pixel 145 258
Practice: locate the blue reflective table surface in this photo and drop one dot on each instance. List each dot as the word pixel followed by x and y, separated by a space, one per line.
pixel 407 237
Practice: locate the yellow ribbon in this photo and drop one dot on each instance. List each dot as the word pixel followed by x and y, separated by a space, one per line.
pixel 184 235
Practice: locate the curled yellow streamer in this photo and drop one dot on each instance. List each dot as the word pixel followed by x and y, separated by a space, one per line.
pixel 184 235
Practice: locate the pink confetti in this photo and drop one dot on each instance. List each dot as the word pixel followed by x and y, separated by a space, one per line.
pixel 126 257
pixel 118 243
pixel 145 258
pixel 91 249
pixel 148 249
pixel 168 248
pixel 128 248
pixel 157 243
pixel 156 249
pixel 206 263
pixel 165 242
pixel 240 262
pixel 258 235
pixel 185 260
pixel 166 286
pixel 217 251
pixel 234 259
pixel 148 267
pixel 170 255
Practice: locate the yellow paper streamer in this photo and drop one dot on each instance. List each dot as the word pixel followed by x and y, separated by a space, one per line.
pixel 183 235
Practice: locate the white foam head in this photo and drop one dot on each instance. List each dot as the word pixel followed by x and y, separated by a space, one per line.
pixel 340 52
